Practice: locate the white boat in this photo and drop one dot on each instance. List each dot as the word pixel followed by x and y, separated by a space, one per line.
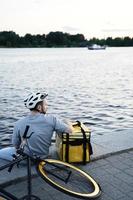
pixel 96 47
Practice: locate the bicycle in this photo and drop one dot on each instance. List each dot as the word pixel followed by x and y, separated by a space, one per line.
pixel 61 175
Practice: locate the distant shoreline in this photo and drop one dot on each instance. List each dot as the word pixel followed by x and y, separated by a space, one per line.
pixel 9 39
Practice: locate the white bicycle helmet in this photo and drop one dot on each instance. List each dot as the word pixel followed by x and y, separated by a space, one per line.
pixel 34 98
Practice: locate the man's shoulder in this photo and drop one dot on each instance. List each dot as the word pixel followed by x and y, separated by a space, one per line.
pixel 49 117
pixel 20 121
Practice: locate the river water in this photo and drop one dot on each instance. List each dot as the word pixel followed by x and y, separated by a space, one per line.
pixel 95 87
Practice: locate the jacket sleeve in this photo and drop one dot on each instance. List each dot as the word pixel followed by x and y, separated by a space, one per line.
pixel 61 127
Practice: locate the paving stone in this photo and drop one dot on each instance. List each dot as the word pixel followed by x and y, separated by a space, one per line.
pixel 127 161
pixel 102 162
pixel 125 177
pixel 125 198
pixel 112 192
pixel 129 171
pixel 117 183
pixel 120 165
pixel 131 195
pixel 105 197
pixel 111 169
pixel 113 158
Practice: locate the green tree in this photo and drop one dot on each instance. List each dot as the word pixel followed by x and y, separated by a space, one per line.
pixel 127 41
pixel 9 39
pixel 118 42
pixel 77 40
pixel 55 39
pixel 109 41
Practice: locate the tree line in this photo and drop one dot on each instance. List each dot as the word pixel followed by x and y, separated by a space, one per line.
pixel 58 39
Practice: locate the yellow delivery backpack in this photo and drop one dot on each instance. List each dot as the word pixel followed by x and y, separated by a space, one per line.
pixel 75 147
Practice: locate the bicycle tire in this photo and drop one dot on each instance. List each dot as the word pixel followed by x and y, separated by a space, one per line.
pixel 79 180
pixel 4 195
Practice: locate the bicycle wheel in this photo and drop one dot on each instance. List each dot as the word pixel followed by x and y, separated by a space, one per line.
pixel 2 198
pixel 68 179
pixel 4 195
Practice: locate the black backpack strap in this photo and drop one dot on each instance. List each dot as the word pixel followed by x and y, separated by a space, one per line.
pixel 84 142
pixel 67 148
pixel 26 131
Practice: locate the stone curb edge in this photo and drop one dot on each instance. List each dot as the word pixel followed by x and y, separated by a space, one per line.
pixel 111 154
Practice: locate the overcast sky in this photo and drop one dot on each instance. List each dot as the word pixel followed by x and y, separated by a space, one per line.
pixel 93 18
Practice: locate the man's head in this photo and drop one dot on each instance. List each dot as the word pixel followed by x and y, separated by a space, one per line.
pixel 36 102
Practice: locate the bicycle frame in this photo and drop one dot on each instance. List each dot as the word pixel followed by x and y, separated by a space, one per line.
pixel 61 168
pixel 8 195
pixel 20 158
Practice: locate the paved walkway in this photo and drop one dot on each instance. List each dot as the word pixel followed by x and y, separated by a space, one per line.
pixel 111 166
pixel 114 174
